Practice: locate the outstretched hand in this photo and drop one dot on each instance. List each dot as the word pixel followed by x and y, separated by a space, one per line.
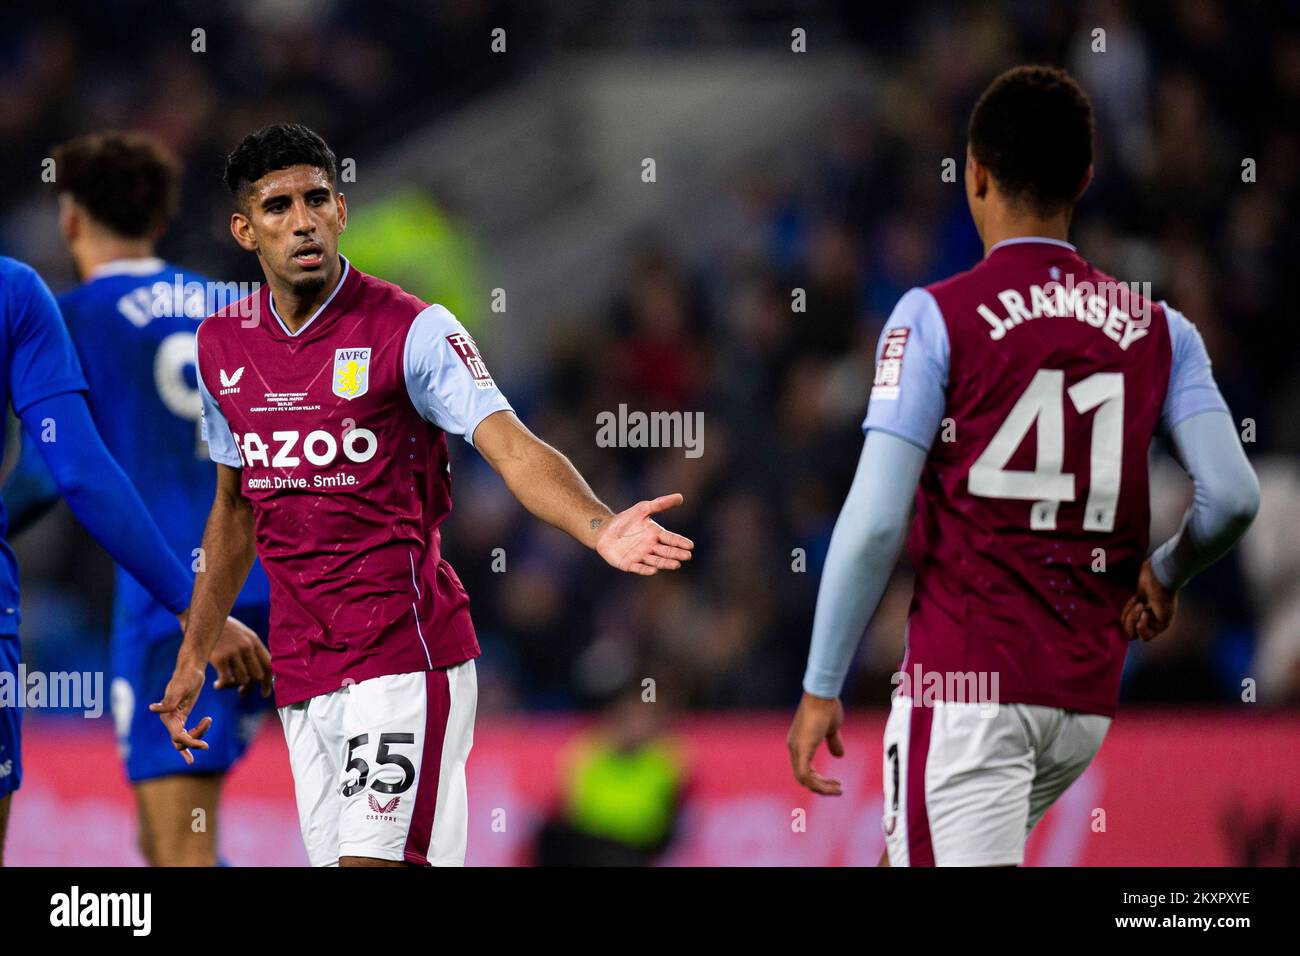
pixel 631 541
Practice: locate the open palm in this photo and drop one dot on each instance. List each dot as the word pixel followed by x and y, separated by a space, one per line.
pixel 632 541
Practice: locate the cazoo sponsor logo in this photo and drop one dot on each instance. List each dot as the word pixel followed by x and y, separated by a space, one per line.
pixel 319 447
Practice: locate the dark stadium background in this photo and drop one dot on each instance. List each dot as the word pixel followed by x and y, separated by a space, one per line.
pixel 775 170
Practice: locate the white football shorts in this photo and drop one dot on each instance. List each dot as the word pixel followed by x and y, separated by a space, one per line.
pixel 965 783
pixel 379 767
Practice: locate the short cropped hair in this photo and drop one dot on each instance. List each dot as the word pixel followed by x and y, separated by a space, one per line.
pixel 1033 130
pixel 276 147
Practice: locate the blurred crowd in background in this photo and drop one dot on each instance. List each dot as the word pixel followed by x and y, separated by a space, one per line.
pixel 1184 93
pixel 359 74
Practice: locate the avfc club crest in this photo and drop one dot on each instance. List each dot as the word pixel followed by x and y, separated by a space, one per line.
pixel 351 372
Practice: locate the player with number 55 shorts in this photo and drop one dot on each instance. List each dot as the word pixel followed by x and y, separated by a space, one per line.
pixel 328 398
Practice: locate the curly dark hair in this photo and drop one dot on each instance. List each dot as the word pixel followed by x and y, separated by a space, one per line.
pixel 276 147
pixel 126 181
pixel 1033 130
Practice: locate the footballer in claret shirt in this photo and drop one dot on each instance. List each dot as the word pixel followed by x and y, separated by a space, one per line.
pixel 1048 380
pixel 328 398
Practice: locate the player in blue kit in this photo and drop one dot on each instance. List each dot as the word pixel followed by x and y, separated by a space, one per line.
pixel 132 321
pixel 40 376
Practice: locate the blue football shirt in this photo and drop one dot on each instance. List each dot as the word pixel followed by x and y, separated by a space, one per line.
pixel 37 362
pixel 133 323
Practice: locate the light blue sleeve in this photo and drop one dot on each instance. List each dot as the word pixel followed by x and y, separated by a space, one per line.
pixel 907 396
pixel 1225 497
pixel 446 377
pixel 215 430
pixel 864 546
pixel 1192 389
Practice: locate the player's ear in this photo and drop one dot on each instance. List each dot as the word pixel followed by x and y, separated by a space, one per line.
pixel 977 177
pixel 1084 183
pixel 69 218
pixel 342 204
pixel 241 227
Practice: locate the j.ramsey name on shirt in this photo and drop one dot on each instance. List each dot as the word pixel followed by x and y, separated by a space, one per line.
pixel 1057 300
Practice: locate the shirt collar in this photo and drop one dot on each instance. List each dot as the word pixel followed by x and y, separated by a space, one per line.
pixel 1022 239
pixel 150 265
pixel 323 306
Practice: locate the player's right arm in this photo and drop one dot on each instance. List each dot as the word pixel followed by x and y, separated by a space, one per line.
pixel 228 552
pixel 904 415
pixel 865 544
pixel 1225 488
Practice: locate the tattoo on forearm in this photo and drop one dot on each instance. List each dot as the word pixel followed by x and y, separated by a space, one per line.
pixel 596 523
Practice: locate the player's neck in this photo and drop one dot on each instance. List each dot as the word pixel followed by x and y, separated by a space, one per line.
pixel 91 255
pixel 1000 226
pixel 294 310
